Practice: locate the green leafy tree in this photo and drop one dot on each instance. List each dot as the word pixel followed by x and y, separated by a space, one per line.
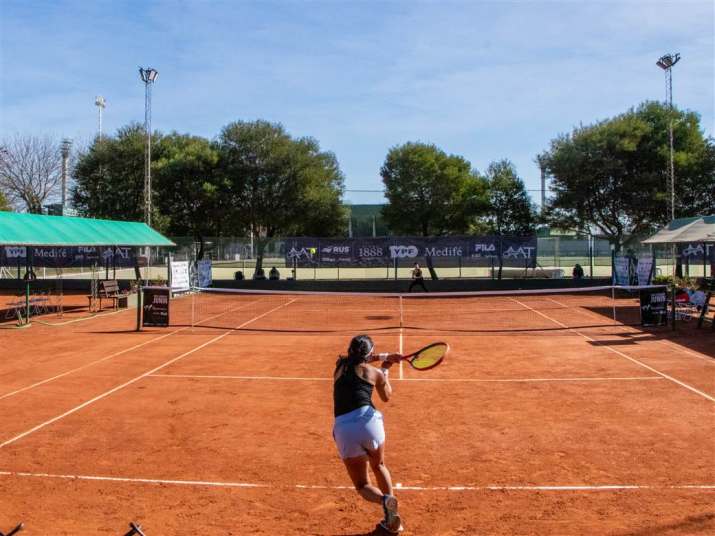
pixel 430 192
pixel 613 175
pixel 109 177
pixel 189 194
pixel 510 210
pixel 279 185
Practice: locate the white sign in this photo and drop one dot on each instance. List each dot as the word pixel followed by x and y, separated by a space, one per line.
pixel 401 252
pixel 644 269
pixel 180 281
pixel 204 273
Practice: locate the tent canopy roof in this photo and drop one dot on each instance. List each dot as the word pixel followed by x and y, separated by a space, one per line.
pixel 699 229
pixel 40 230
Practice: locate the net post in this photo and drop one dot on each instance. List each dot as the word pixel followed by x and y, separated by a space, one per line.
pixel 613 303
pixel 139 307
pixel 590 255
pixel 193 308
pixel 395 265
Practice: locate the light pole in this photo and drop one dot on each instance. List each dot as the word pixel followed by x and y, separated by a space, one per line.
pixel 666 63
pixel 148 76
pixel 65 150
pixel 100 103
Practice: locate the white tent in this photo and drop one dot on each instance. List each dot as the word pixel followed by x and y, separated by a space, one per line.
pixel 700 229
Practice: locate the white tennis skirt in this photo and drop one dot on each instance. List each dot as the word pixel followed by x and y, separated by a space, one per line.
pixel 358 431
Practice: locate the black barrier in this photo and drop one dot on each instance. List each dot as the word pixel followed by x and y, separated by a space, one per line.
pixel 513 251
pixel 155 306
pixel 654 307
pixel 69 257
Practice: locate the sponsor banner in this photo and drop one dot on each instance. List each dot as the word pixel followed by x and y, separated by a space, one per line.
pixel 693 253
pixel 203 268
pixel 371 251
pixel 518 251
pixel 335 251
pixel 155 306
pixel 654 307
pixel 513 251
pixel 68 257
pixel 303 251
pixel 644 270
pixel 622 271
pixel 180 281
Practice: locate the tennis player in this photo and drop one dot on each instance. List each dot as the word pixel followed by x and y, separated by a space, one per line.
pixel 358 431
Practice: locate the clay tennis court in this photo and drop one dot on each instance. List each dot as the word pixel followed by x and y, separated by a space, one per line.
pixel 547 417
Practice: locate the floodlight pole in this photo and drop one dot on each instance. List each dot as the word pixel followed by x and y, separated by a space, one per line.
pixel 65 148
pixel 666 63
pixel 148 76
pixel 100 102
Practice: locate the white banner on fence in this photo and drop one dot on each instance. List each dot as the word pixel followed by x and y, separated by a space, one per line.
pixel 621 271
pixel 180 281
pixel 204 273
pixel 645 269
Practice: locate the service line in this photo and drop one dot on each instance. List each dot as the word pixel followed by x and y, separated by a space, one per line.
pixel 618 352
pixel 400 486
pixel 141 376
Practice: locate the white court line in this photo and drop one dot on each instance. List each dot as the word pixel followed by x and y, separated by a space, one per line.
pixel 456 380
pixel 401 487
pixel 37 384
pixel 633 360
pixel 401 338
pixel 144 375
pixel 679 348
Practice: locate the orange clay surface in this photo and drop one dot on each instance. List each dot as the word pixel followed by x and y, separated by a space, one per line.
pixel 545 418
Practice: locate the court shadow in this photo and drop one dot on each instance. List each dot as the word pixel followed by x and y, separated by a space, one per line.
pixel 700 524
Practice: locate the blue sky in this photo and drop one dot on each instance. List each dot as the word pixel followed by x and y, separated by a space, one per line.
pixel 486 80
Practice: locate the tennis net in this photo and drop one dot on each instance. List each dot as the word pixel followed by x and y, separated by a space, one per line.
pixel 537 311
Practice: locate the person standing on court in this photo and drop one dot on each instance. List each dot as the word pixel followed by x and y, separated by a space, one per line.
pixel 417 279
pixel 358 431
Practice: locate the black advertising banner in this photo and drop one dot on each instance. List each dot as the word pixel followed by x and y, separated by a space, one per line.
pixel 695 252
pixel 155 306
pixel 370 251
pixel 654 307
pixel 68 257
pixel 481 250
pixel 518 251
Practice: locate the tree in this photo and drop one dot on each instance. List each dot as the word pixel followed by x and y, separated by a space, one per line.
pixel 189 193
pixel 30 171
pixel 429 192
pixel 510 210
pixel 279 185
pixel 109 177
pixel 614 174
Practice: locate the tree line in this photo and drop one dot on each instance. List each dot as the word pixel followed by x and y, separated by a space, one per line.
pixel 609 177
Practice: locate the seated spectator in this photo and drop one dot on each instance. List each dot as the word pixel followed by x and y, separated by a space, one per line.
pixel 577 272
pixel 274 274
pixel 259 275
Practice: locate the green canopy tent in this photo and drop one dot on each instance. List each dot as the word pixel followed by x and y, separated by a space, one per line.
pixel 36 230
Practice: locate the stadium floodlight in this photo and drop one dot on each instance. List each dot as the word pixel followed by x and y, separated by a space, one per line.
pixel 148 76
pixel 666 63
pixel 101 103
pixel 65 148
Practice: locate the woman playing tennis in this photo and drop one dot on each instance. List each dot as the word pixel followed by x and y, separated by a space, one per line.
pixel 358 431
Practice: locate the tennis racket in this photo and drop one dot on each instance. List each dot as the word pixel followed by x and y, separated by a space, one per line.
pixel 428 357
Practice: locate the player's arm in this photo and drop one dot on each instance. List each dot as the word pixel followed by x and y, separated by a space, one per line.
pixel 384 389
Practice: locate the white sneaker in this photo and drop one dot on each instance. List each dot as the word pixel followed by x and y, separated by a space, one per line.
pixel 392 522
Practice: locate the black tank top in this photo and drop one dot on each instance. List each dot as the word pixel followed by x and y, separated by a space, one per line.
pixel 350 391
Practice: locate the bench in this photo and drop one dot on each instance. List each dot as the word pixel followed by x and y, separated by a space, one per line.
pixel 108 290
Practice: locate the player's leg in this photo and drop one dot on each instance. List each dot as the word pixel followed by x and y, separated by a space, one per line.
pixel 357 469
